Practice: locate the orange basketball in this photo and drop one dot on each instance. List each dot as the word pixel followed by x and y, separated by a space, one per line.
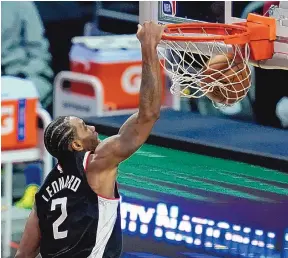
pixel 228 79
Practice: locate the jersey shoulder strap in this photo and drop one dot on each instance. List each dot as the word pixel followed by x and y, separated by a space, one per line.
pixel 74 163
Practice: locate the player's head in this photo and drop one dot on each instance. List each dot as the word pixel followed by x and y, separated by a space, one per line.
pixel 69 133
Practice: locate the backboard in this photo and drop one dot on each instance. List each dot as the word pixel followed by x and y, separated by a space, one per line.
pixel 223 12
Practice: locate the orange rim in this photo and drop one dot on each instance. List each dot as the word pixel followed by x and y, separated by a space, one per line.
pixel 237 34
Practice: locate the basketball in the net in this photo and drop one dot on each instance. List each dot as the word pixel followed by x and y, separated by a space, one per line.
pixel 228 81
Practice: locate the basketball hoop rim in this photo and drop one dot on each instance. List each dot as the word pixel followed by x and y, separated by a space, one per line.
pixel 241 36
pixel 258 32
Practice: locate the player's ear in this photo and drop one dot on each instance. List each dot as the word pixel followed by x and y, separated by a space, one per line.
pixel 77 145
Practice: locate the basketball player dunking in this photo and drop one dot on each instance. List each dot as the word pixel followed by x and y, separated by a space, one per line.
pixel 77 210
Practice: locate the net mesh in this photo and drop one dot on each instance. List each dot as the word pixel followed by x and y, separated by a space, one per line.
pixel 188 64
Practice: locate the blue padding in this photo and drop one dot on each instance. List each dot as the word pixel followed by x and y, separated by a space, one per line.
pixel 213 131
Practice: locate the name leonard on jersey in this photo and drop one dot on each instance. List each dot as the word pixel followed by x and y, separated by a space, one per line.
pixel 71 182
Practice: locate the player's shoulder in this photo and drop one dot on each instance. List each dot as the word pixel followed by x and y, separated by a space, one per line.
pixel 73 158
pixel 72 165
pixel 103 156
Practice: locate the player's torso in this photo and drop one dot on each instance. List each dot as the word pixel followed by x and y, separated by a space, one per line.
pixel 74 221
pixel 104 183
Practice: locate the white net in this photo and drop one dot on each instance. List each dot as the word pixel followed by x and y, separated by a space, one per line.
pixel 213 68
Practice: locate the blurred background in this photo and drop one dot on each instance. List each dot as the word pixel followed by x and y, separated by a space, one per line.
pixel 209 183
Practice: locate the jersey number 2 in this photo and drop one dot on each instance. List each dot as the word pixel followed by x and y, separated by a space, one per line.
pixel 63 202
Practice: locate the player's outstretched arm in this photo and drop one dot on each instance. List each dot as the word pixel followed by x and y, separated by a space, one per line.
pixel 29 244
pixel 137 128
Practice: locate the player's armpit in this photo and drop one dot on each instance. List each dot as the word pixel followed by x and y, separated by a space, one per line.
pixel 133 133
pixel 29 245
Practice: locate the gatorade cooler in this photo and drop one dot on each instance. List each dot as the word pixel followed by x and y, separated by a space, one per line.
pixel 116 62
pixel 18 113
